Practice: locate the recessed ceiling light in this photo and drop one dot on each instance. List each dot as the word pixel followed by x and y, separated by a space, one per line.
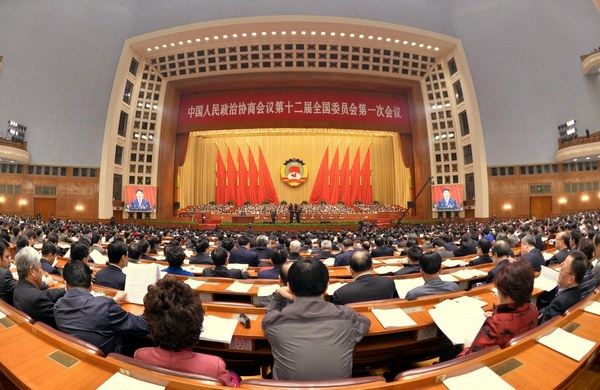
pixel 379 38
pixel 574 159
pixel 370 37
pixel 181 42
pixel 421 45
pixel 396 41
pixel 198 39
pixel 405 42
pixel 164 46
pixel 342 34
pixel 149 49
pixel 333 34
pixel 244 35
pixel 225 36
pixel 263 33
pixel 273 32
pixel 216 38
pixel 429 47
pixel 313 33
pixel 323 33
pixel 436 48
pixel 207 38
pixel 189 41
pixel 172 44
pixel 283 33
pixel 293 32
pixel 253 34
pixel 234 35
pixel 351 35
pixel 303 33
pixel 388 39
pixel 413 43
pixel 587 158
pixel 156 47
pixel 361 36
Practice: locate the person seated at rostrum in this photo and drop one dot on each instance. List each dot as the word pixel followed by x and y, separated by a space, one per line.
pixel 431 264
pixel 175 316
pixel 220 259
pixel 100 321
pixel 366 286
pixel 514 314
pixel 175 255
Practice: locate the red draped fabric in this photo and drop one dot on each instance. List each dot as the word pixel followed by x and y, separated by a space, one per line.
pixel 344 193
pixel 367 189
pixel 354 187
pixel 221 189
pixel 334 176
pixel 265 180
pixel 252 179
pixel 232 177
pixel 243 182
pixel 321 186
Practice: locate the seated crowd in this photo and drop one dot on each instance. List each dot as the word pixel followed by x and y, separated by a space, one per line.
pixel 173 312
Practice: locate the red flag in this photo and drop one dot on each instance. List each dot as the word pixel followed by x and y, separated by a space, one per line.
pixel 367 189
pixel 221 189
pixel 265 180
pixel 343 192
pixel 334 175
pixel 252 178
pixel 232 176
pixel 242 179
pixel 320 188
pixel 354 187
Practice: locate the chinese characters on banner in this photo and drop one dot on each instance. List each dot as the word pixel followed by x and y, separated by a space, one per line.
pixel 272 106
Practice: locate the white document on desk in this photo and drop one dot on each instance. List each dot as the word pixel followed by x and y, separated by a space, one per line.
pixel 332 288
pixel 97 257
pixel 139 277
pixel 188 253
pixel 387 269
pixel 218 329
pixel 460 322
pixel 267 290
pixel 124 382
pixel 193 283
pixel 469 273
pixel 567 343
pixel 241 267
pixel 239 287
pixel 403 286
pixel 393 318
pixel 448 278
pixel 547 279
pixel 454 263
pixel 547 255
pixel 593 308
pixel 329 262
pixel 482 377
pixel 470 301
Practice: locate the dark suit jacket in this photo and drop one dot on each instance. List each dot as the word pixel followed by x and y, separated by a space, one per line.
pixel 365 288
pixel 242 255
pixel 111 276
pixel 38 304
pixel 98 320
pixel 384 250
pixel 483 259
pixel 535 258
pixel 47 267
pixel 271 273
pixel 7 285
pixel 201 258
pixel 492 274
pixel 222 272
pixel 343 258
pixel 294 256
pixel 262 251
pixel 408 269
pixel 323 255
pixel 558 257
pixel 563 301
pixel 466 248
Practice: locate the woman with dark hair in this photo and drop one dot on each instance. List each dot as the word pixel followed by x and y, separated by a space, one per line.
pixel 174 314
pixel 514 314
pixel 175 256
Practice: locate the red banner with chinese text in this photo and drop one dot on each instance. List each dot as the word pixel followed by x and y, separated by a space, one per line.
pixel 290 105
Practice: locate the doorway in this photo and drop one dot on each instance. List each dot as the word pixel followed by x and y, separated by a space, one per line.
pixel 540 206
pixel 45 206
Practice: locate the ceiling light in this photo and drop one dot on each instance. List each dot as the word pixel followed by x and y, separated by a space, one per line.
pixel 429 47
pixel 333 33
pixel 263 33
pixel 189 41
pixel 351 35
pixel 323 33
pixel 283 33
pixel 585 197
pixel 172 44
pixel 370 37
pixel 413 43
pixel 225 36
pixel 164 46
pixel 234 35
pixel 421 45
pixel 313 33
pixel 244 35
pixel 396 40
pixel 156 47
pixel 253 34
pixel 273 32
pixel 436 48
pixel 342 34
pixel 361 36
pixel 206 38
pixel 293 32
pixel 181 42
pixel 149 49
pixel 198 39
pixel 216 37
pixel 379 38
pixel 303 33
pixel 388 39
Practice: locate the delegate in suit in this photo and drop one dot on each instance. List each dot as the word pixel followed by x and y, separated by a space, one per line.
pixel 139 203
pixel 447 203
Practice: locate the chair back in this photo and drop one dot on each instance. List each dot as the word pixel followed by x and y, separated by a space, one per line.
pixel 367 382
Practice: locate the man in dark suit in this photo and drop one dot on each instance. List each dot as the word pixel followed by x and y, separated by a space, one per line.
pixel 295 251
pixel 219 256
pixel 325 251
pixel 243 255
pixel 438 246
pixel 500 256
pixel 262 247
pixel 366 286
pixel 414 253
pixel 48 258
pixel 201 256
pixel 531 254
pixel 467 246
pixel 569 278
pixel 139 203
pixel 447 203
pixel 382 249
pixel 112 276
pixel 483 250
pixel 343 258
pixel 134 253
pixel 278 257
pixel 28 295
pixel 100 321
pixel 7 283
pixel 562 243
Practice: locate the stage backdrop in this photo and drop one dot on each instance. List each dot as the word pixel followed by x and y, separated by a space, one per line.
pixel 390 178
